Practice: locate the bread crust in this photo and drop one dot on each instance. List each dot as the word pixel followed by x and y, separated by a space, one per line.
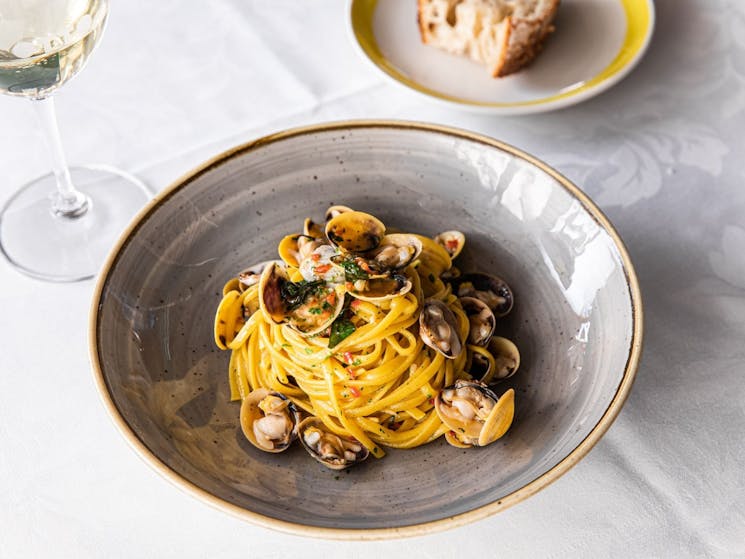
pixel 420 21
pixel 521 38
pixel 525 40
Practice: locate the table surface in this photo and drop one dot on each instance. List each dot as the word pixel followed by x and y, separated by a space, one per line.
pixel 661 153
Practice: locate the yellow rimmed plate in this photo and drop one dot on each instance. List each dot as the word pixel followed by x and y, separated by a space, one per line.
pixel 595 45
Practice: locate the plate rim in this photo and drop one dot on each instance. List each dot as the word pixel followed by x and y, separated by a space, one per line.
pixel 366 46
pixel 368 534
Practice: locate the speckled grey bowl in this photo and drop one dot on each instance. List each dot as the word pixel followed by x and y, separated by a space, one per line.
pixel 577 321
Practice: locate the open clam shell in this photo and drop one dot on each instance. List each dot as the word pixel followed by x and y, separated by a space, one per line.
pixel 380 288
pixel 313 229
pixel 438 328
pixel 331 450
pixel 269 420
pixel 251 275
pixel 452 241
pixel 481 320
pixel 492 290
pixel 355 231
pixel 289 250
pixel 319 310
pixel 506 358
pixel 396 251
pixel 319 264
pixel 309 307
pixel 475 415
pixel 270 291
pixel 333 211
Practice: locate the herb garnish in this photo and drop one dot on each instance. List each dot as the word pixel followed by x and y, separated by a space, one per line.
pixel 341 328
pixel 294 294
pixel 352 270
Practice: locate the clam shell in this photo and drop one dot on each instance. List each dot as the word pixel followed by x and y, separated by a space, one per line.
pixel 396 251
pixel 303 318
pixel 452 241
pixel 481 320
pixel 307 323
pixel 506 357
pixel 355 231
pixel 313 229
pixel 475 431
pixel 319 264
pixel 333 211
pixel 251 412
pixel 493 290
pixel 289 250
pixel 381 288
pixel 337 461
pixel 436 322
pixel 251 275
pixel 270 297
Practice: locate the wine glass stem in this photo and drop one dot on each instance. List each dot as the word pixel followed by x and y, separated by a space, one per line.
pixel 67 202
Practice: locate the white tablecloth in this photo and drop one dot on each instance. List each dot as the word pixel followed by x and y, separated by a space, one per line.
pixel 175 82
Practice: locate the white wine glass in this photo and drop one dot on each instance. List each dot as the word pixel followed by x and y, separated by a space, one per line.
pixel 60 226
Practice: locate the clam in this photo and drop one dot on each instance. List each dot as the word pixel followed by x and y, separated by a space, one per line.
pixel 450 274
pixel 480 368
pixel 306 245
pixel 379 288
pixel 319 309
pixel 313 229
pixel 481 320
pixel 331 450
pixel 438 328
pixel 473 413
pixel 289 250
pixel 506 357
pixel 396 251
pixel 273 278
pixel 308 306
pixel 269 420
pixel 355 231
pixel 333 211
pixel 492 290
pixel 251 275
pixel 320 264
pixel 452 242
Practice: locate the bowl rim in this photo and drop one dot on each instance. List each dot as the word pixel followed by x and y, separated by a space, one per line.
pixel 542 481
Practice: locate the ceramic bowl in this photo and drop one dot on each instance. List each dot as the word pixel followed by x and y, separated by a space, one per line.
pixel 577 321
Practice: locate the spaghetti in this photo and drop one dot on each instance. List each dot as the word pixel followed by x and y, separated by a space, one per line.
pixel 369 335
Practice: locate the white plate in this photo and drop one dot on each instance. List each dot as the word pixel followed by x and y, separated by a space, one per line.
pixel 596 44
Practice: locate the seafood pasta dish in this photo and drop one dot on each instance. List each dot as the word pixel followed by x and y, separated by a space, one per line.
pixel 363 337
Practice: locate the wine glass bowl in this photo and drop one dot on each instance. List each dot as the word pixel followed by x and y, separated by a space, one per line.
pixel 43 45
pixel 60 226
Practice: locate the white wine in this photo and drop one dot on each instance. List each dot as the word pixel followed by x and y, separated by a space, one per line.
pixel 44 43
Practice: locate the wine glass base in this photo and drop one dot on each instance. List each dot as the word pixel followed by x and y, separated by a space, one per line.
pixel 64 249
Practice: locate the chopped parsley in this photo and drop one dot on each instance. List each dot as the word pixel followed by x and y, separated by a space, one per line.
pixel 315 310
pixel 341 328
pixel 294 294
pixel 431 278
pixel 352 270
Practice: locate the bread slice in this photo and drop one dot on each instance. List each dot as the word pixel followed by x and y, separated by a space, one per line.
pixel 503 34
